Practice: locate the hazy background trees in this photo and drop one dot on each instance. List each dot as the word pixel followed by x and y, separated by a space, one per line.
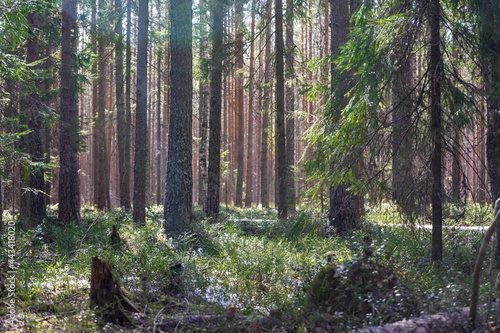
pixel 352 100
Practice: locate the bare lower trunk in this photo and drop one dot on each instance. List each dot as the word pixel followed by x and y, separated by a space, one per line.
pixel 342 212
pixel 141 137
pixel 250 137
pixel 264 184
pixel 435 70
pixel 69 186
pixel 290 107
pixel 280 116
pixel 213 185
pixel 179 196
pixel 204 94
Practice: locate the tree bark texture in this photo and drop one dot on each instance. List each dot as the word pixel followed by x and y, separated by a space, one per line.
pixel 402 130
pixel 290 108
pixel 490 41
pixel 178 194
pixel 213 185
pixel 159 62
pixel 107 295
pixel 435 68
pixel 102 174
pixel 69 186
pixel 264 185
pixel 452 321
pixel 125 186
pixel 141 135
pixel 280 115
pixel 239 106
pixel 121 119
pixel 95 106
pixel 250 137
pixel 204 97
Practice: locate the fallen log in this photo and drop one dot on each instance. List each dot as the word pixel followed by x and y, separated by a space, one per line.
pixel 107 295
pixel 445 322
pixel 456 321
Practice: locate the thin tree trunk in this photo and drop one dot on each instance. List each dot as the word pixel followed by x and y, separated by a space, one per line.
pixel 158 115
pixel 125 186
pixel 264 185
pixel 102 152
pixel 456 167
pixel 290 107
pixel 213 186
pixel 490 40
pixel 95 103
pixel 204 96
pixel 249 179
pixel 141 135
pixel 280 115
pixel 436 158
pixel 239 105
pixel 121 118
pixel 482 160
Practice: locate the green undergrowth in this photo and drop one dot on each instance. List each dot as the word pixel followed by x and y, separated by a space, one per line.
pixel 454 214
pixel 248 263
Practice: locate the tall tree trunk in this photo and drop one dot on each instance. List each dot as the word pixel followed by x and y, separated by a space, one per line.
pixel 158 113
pixel 456 166
pixel 280 115
pixel 402 145
pixel 342 213
pixel 213 186
pixel 489 17
pixel 239 106
pixel 264 185
pixel 121 119
pixel 95 106
pixel 204 96
pixel 250 137
pixel 435 68
pixel 125 186
pixel 33 105
pixel 69 186
pixel 290 107
pixel 141 135
pixel 179 193
pixel 102 151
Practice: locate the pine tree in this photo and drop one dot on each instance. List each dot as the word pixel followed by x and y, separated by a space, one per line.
pixel 178 196
pixel 69 186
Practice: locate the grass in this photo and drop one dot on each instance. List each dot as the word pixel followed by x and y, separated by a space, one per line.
pixel 260 268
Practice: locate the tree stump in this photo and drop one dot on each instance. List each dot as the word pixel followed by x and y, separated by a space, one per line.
pixel 106 294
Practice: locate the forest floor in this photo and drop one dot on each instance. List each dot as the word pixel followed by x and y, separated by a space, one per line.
pixel 246 273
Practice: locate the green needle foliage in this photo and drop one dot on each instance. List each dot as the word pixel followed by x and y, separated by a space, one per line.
pixel 384 40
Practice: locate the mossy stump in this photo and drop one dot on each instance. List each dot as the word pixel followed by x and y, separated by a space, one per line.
pixel 107 295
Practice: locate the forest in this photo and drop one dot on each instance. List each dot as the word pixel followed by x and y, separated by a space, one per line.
pixel 249 166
